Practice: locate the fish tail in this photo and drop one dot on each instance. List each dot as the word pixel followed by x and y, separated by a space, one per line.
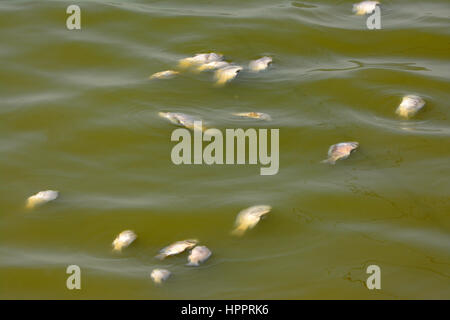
pixel 117 246
pixel 329 161
pixel 160 256
pixel 220 82
pixel 403 113
pixel 185 63
pixel 239 231
pixel 30 204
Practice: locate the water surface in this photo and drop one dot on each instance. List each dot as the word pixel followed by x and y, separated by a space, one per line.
pixel 79 115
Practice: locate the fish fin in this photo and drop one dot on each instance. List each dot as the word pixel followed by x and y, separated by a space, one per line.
pixel 192 264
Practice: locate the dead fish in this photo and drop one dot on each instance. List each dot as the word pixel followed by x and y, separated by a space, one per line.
pixel 200 59
pixel 160 275
pixel 410 105
pixel 41 197
pixel 260 64
pixel 176 248
pixel 226 74
pixel 164 74
pixel 254 115
pixel 180 119
pixel 365 7
pixel 213 65
pixel 123 240
pixel 249 218
pixel 340 151
pixel 198 255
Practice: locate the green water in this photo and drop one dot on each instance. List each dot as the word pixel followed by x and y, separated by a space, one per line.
pixel 79 115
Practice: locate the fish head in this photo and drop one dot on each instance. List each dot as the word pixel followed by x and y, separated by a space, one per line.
pixel 237 69
pixel 175 118
pixel 347 147
pixel 226 74
pixel 353 145
pixel 266 60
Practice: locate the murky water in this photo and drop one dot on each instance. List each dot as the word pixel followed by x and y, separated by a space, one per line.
pixel 79 115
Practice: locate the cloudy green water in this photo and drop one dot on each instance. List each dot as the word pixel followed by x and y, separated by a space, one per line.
pixel 79 115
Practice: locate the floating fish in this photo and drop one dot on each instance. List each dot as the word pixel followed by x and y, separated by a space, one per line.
pixel 249 218
pixel 200 59
pixel 340 151
pixel 164 74
pixel 410 105
pixel 180 119
pixel 365 7
pixel 198 255
pixel 176 248
pixel 212 65
pixel 41 198
pixel 123 240
pixel 160 275
pixel 260 64
pixel 254 115
pixel 226 74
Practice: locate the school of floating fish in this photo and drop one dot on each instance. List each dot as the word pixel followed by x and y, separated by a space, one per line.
pixel 224 71
pixel 248 218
